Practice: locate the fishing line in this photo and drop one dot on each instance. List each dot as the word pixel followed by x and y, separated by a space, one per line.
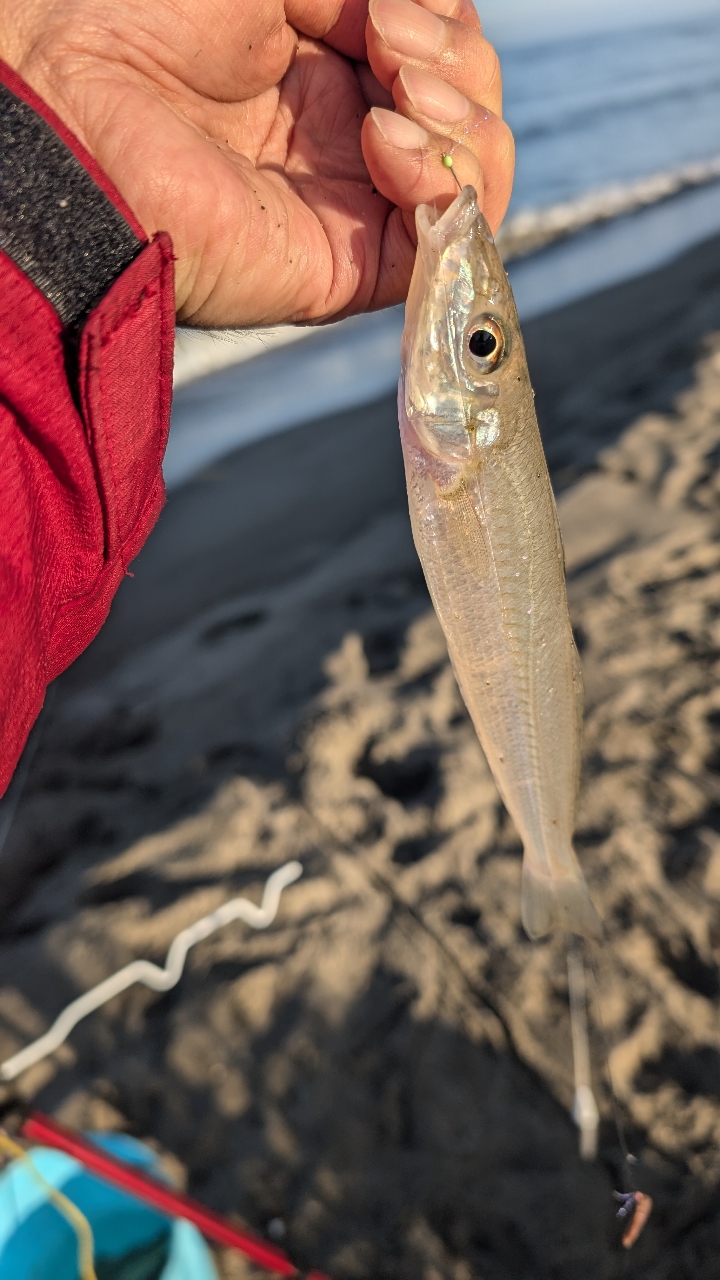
pixel 447 162
pixel 628 1158
pixel 585 1110
pixel 633 1206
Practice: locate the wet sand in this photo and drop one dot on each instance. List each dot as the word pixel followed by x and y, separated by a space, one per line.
pixel 388 1067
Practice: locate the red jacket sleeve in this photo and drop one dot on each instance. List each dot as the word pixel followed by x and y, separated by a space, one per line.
pixel 81 446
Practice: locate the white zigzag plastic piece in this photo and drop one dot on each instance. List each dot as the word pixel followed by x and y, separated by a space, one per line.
pixel 151 974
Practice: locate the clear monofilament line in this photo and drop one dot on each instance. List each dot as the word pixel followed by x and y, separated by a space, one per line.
pixel 628 1159
pixel 447 161
pixel 449 164
pixel 585 1109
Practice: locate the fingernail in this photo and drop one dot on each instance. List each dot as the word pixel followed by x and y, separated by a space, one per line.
pixel 398 131
pixel 433 97
pixel 406 28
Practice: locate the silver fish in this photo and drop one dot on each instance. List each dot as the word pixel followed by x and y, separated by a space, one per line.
pixel 486 530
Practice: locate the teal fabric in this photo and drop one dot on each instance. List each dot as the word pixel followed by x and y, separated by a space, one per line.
pixel 36 1242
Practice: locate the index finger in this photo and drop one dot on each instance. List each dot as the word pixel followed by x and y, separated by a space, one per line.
pixel 402 33
pixel 341 23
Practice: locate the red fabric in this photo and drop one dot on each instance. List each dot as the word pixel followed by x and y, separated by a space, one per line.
pixel 80 488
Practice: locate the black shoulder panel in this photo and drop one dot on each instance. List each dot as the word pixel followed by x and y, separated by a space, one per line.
pixel 55 222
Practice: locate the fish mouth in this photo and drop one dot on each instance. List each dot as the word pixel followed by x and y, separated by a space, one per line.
pixel 461 223
pixel 438 230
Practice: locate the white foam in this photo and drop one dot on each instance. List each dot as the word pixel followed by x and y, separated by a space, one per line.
pixel 533 229
pixel 617 250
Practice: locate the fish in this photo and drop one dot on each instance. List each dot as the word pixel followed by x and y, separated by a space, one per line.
pixel 486 530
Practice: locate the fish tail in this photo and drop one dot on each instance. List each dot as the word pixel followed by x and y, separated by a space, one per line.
pixel 557 902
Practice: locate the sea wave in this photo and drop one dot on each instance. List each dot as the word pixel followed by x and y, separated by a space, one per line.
pixel 533 229
pixel 560 118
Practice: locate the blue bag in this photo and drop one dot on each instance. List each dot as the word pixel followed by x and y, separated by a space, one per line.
pixel 132 1240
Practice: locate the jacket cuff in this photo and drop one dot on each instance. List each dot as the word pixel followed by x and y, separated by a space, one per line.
pixel 71 234
pixel 86 352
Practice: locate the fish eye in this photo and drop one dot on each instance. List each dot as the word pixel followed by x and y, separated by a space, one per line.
pixel 486 343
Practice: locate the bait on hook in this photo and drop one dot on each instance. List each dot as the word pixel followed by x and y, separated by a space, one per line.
pixel 636 1206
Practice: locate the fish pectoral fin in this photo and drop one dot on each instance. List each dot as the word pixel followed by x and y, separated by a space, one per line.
pixel 561 902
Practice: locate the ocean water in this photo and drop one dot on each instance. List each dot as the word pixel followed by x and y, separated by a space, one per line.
pixel 606 110
pixel 618 171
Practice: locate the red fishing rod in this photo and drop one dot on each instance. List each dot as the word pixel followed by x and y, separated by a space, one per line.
pixel 40 1128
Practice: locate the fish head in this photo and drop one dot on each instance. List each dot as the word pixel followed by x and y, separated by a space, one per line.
pixel 463 362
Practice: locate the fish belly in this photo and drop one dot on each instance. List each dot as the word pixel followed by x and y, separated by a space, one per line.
pixel 488 539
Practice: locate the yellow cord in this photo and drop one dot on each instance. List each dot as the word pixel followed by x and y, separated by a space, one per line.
pixel 69 1211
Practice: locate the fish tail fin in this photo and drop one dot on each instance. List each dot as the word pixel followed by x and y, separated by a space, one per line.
pixel 557 902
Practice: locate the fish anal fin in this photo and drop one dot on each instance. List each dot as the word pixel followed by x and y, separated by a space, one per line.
pixel 562 902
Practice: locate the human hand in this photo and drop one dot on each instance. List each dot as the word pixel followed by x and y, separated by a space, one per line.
pixel 243 130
